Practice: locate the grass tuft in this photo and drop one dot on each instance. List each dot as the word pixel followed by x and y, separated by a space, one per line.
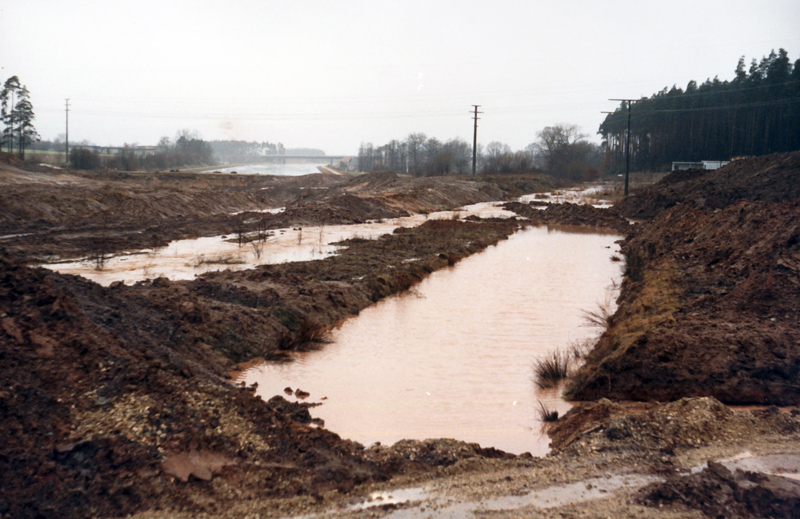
pixel 603 315
pixel 545 414
pixel 551 369
pixel 308 337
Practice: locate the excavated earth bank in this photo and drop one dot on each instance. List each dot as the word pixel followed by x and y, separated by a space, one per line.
pixel 710 302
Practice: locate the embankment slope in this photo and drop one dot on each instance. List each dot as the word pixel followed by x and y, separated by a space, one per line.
pixel 710 303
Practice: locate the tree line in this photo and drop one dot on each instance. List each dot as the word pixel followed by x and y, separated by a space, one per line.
pixel 186 149
pixel 16 114
pixel 755 113
pixel 560 150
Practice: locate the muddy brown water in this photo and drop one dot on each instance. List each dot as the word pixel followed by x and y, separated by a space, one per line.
pixel 453 357
pixel 187 259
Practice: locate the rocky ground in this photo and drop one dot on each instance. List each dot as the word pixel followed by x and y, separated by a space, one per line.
pixel 115 400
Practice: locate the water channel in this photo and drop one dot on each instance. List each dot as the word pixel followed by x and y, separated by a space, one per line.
pixel 452 358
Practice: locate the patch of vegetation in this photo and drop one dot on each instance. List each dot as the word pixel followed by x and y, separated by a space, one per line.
pixel 218 260
pixel 308 336
pixel 657 298
pixel 545 414
pixel 550 370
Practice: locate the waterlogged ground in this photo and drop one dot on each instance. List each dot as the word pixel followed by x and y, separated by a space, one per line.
pixel 187 259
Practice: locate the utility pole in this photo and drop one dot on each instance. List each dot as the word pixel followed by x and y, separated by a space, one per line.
pixel 475 138
pixel 627 143
pixel 67 148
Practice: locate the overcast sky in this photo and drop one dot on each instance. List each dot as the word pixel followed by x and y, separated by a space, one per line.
pixel 333 74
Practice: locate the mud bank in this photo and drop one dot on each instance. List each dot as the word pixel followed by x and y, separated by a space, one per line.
pixel 710 303
pixel 584 215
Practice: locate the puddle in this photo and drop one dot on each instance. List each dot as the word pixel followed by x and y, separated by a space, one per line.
pixel 276 210
pixel 548 497
pixel 453 357
pixel 592 195
pixel 10 236
pixel 274 168
pixel 425 502
pixel 786 465
pixel 394 497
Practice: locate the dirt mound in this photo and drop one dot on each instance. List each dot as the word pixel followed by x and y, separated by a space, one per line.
pixel 709 306
pixel 97 422
pixel 663 428
pixel 372 181
pixel 340 209
pixel 718 492
pixel 571 214
pixel 771 178
pixel 431 453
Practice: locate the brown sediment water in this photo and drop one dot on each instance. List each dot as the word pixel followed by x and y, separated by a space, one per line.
pixel 186 259
pixel 453 357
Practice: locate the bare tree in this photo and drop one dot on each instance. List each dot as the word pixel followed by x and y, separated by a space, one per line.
pixel 562 151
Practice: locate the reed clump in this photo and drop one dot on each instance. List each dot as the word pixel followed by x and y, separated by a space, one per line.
pixel 545 414
pixel 551 369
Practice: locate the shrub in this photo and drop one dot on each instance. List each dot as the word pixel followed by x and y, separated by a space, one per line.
pixel 81 158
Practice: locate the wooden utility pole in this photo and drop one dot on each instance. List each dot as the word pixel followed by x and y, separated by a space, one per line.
pixel 67 148
pixel 475 138
pixel 627 143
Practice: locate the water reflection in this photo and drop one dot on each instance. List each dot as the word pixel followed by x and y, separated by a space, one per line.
pixel 453 357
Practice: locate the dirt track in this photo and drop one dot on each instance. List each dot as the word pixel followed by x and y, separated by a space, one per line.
pixel 115 400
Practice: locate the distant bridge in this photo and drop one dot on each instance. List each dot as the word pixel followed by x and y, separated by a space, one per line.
pixel 330 159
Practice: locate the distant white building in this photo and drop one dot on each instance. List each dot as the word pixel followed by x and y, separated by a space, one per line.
pixel 704 164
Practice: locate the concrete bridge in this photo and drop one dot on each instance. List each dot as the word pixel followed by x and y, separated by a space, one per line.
pixel 330 159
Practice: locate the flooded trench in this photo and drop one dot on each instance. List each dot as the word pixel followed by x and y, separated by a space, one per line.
pixel 453 357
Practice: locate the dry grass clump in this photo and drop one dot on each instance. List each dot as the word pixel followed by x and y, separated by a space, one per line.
pixel 550 370
pixel 308 336
pixel 217 260
pixel 579 349
pixel 545 414
pixel 555 367
pixel 602 316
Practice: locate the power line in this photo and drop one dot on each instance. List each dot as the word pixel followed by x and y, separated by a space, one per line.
pixel 732 89
pixel 712 108
pixel 67 138
pixel 475 138
pixel 627 143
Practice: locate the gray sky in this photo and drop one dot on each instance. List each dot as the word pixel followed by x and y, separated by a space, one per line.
pixel 333 74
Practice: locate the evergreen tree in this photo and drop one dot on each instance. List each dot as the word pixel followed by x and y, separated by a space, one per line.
pixel 26 133
pixel 755 113
pixel 7 101
pixel 16 112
